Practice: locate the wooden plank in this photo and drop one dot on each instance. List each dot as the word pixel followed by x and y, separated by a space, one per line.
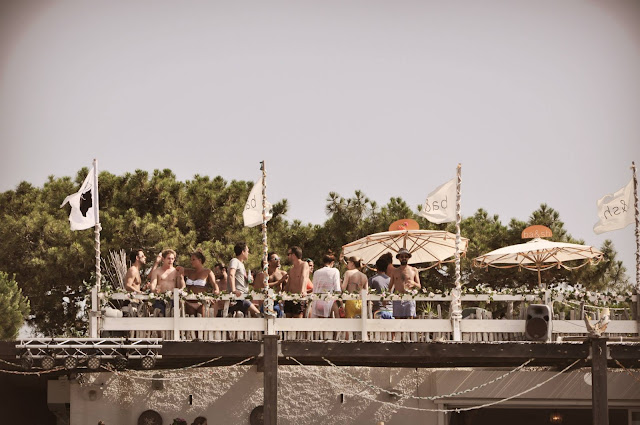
pixel 578 326
pixel 207 350
pixel 473 325
pixel 459 353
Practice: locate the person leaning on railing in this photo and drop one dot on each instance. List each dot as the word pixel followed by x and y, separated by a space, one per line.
pixel 326 281
pixel 380 282
pixel 354 281
pixel 165 279
pixel 198 280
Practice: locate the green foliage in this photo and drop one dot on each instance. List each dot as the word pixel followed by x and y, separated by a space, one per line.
pixel 14 307
pixel 153 211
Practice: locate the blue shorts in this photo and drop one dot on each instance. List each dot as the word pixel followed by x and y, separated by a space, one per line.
pixel 242 306
pixel 161 305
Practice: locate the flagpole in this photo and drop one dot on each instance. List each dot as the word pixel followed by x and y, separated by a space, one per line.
pixel 637 214
pixel 265 267
pixel 93 323
pixel 456 304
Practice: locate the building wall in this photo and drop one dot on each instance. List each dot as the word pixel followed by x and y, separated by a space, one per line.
pixel 312 395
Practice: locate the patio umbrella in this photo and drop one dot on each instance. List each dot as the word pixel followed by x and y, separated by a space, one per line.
pixel 425 246
pixel 540 254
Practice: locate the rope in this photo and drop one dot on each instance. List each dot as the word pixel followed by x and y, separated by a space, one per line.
pixel 627 370
pixel 128 372
pixel 457 410
pixel 572 303
pixel 376 388
pixel 39 372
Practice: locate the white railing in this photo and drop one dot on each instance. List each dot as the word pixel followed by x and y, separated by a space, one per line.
pixel 433 327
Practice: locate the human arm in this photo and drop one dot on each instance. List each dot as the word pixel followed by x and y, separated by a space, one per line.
pixel 231 281
pixel 153 281
pixel 305 277
pixel 212 281
pixel 130 281
pixel 345 281
pixel 336 281
pixel 416 279
pixel 180 281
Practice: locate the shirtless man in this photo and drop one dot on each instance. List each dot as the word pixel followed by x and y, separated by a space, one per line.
pixel 277 276
pixel 132 280
pixel 297 283
pixel 404 279
pixel 166 278
pixel 276 279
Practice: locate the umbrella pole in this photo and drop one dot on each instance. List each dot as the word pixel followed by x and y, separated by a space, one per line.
pixel 539 279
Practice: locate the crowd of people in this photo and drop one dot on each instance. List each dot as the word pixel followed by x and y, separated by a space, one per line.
pixel 301 278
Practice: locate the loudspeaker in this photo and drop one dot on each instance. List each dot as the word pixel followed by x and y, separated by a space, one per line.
pixel 538 324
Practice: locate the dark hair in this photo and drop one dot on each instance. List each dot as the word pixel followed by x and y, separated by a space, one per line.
pixel 269 255
pixel 357 261
pixel 200 420
pixel 382 264
pixel 240 246
pixel 220 266
pixel 297 251
pixel 328 258
pixel 388 257
pixel 133 255
pixel 199 255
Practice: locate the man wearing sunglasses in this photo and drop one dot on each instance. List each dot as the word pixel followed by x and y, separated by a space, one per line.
pixel 277 277
pixel 404 279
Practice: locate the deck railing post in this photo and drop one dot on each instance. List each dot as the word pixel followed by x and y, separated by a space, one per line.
pixel 176 314
pixel 93 316
pixel 363 314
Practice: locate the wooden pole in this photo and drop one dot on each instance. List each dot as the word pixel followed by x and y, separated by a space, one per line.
pixel 456 304
pixel 599 400
pixel 270 350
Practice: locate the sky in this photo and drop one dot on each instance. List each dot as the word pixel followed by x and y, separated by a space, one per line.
pixel 538 100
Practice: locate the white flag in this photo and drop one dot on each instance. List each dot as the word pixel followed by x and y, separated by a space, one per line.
pixel 615 210
pixel 440 205
pixel 82 204
pixel 252 213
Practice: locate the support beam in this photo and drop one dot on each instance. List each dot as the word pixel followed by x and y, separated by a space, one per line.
pixel 599 400
pixel 270 346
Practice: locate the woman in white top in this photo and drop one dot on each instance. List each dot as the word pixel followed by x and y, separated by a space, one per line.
pixel 196 279
pixel 326 281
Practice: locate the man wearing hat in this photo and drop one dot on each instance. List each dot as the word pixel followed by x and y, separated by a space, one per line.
pixel 404 279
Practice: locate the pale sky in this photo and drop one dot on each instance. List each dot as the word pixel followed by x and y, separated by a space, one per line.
pixel 539 100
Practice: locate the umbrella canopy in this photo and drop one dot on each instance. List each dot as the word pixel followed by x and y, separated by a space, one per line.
pixel 540 254
pixel 425 246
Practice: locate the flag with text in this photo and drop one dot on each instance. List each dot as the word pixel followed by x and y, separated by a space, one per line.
pixel 252 214
pixel 615 210
pixel 440 205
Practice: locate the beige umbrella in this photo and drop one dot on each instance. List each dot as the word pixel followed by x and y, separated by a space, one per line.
pixel 540 254
pixel 425 246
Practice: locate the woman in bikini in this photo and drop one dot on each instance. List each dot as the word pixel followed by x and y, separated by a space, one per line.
pixel 354 281
pixel 197 279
